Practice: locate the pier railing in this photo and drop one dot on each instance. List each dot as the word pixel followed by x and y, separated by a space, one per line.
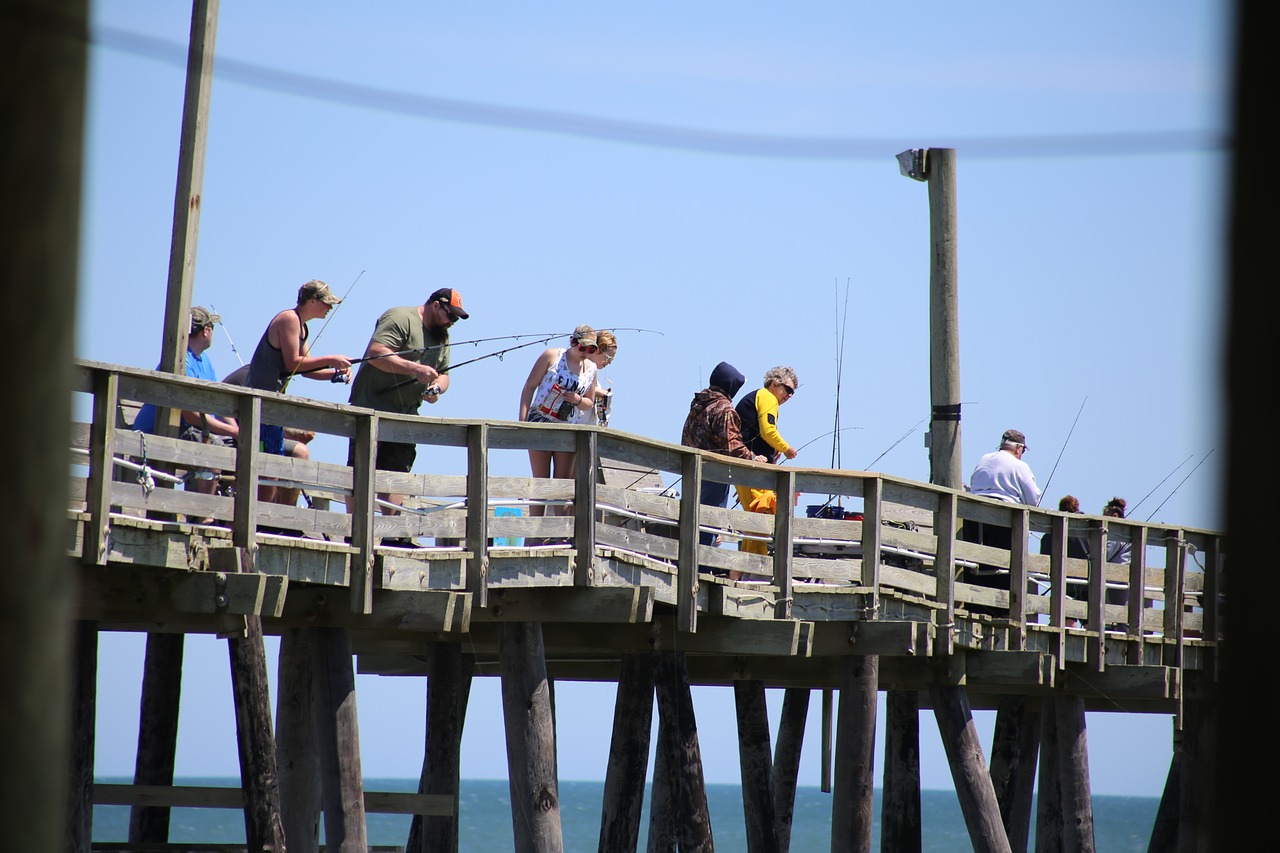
pixel 881 547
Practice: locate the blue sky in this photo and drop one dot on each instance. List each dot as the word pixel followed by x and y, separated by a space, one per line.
pixel 1084 280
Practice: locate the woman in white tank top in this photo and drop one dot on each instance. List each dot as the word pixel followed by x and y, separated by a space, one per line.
pixel 560 389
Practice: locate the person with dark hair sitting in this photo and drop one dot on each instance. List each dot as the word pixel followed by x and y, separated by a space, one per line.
pixel 1077 548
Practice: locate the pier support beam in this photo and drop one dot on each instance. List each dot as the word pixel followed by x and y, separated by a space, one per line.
pixel 531 740
pixel 1073 768
pixel 262 825
pixel 786 761
pixel 756 765
pixel 297 759
pixel 1196 796
pixel 1049 801
pixel 628 756
pixel 84 704
pixel 968 769
pixel 662 818
pixel 448 691
pixel 157 732
pixel 685 784
pixel 851 803
pixel 338 738
pixel 900 808
pixel 1015 747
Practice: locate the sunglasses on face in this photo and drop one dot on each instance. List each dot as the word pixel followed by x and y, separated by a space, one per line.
pixel 790 391
pixel 589 350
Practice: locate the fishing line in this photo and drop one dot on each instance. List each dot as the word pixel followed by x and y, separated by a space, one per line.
pixel 1045 491
pixel 896 443
pixel 498 354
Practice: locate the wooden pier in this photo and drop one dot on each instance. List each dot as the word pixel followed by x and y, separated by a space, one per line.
pixel 873 600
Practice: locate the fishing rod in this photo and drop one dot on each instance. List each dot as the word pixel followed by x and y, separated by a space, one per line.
pixel 824 435
pixel 896 443
pixel 1134 508
pixel 433 347
pixel 1179 486
pixel 311 343
pixel 1045 491
pixel 228 334
pixel 497 354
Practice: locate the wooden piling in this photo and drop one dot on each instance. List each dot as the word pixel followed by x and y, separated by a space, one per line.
pixel 684 757
pixel 448 691
pixel 297 759
pixel 84 695
pixel 1196 800
pixel 262 825
pixel 338 739
pixel 531 743
pixel 756 765
pixel 1015 747
pixel 1073 769
pixel 662 819
pixel 157 732
pixel 968 769
pixel 900 829
pixel 851 804
pixel 624 779
pixel 786 761
pixel 1049 799
pixel 1164 832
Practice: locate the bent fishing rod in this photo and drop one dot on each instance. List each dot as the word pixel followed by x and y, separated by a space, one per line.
pixel 311 343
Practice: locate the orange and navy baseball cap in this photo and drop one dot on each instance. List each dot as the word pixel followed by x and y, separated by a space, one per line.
pixel 451 300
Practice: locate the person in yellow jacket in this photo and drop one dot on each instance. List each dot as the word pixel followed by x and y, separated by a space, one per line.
pixel 759 414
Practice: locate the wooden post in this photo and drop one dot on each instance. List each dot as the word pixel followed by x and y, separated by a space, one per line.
pixel 684 757
pixel 786 761
pixel 448 691
pixel 1014 749
pixel 944 525
pixel 190 184
pixel 84 704
pixel 628 756
pixel 851 804
pixel 262 824
pixel 662 814
pixel 102 443
pixel 297 759
pixel 687 561
pixel 1164 832
pixel 1137 592
pixel 338 741
pixel 756 765
pixel 364 450
pixel 944 323
pixel 828 723
pixel 900 827
pixel 244 531
pixel 1197 799
pixel 1018 559
pixel 968 769
pixel 872 536
pixel 531 739
pixel 584 508
pixel 783 525
pixel 1049 798
pixel 157 732
pixel 43 53
pixel 1174 587
pixel 1073 767
pixel 478 513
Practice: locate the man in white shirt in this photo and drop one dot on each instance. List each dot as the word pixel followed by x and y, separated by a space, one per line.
pixel 1000 474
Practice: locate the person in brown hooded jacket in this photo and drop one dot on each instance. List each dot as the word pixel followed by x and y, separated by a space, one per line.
pixel 713 425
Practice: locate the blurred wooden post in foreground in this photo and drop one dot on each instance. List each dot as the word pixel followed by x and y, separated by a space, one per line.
pixel 42 99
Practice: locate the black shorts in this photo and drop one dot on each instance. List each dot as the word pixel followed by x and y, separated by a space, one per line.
pixel 392 456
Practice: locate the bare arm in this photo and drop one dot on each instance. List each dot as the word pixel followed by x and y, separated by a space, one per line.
pixel 539 370
pixel 284 333
pixel 386 360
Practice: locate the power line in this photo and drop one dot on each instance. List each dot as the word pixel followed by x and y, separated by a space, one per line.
pixel 658 135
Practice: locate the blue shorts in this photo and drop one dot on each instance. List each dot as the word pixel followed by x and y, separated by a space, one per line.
pixel 272 439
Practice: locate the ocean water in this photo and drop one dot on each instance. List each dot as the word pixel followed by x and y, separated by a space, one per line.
pixel 1121 824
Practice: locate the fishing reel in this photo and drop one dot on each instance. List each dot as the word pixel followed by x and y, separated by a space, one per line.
pixel 604 404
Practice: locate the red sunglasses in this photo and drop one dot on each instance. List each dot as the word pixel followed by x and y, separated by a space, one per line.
pixel 591 349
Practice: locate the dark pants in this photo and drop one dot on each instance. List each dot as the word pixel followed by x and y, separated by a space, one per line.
pixel 713 494
pixel 991 577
